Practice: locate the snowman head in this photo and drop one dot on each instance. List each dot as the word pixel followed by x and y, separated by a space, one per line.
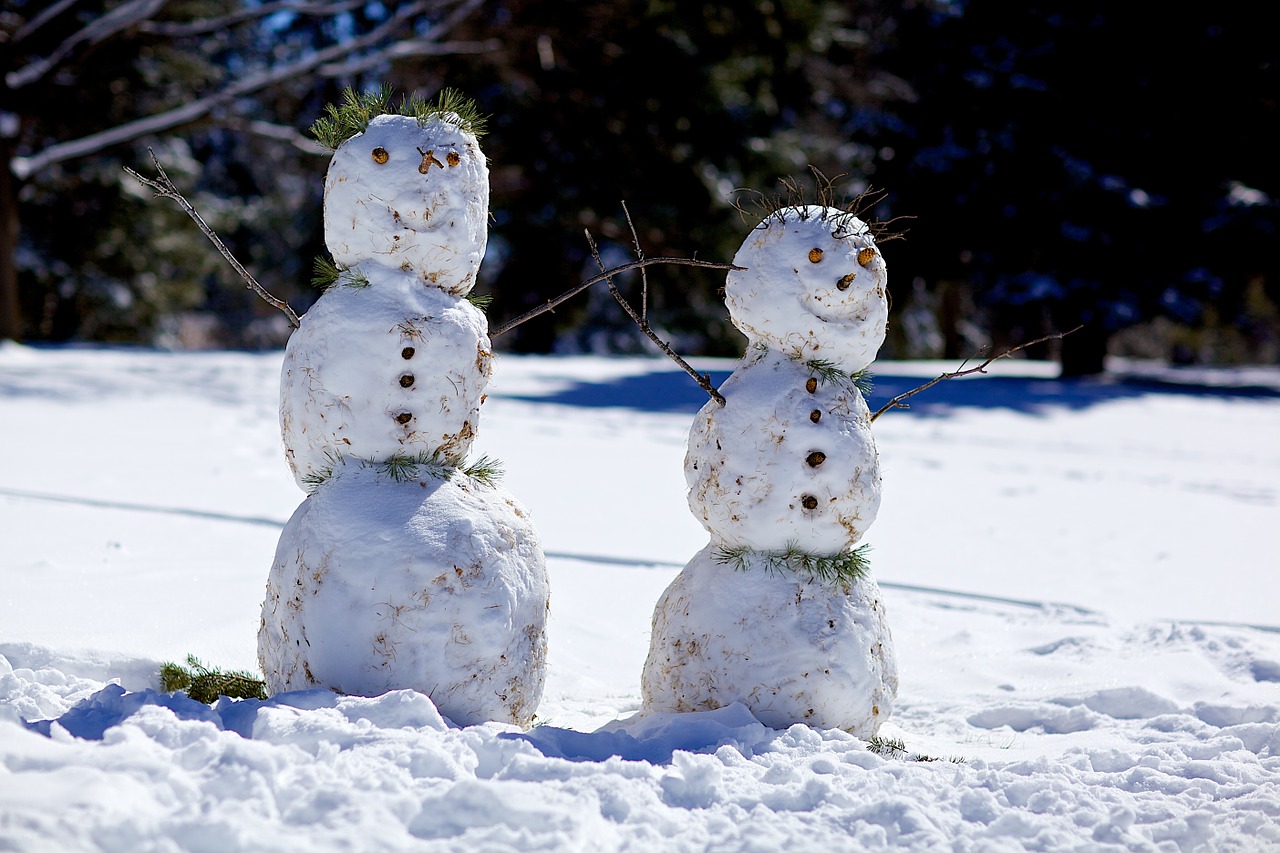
pixel 813 287
pixel 412 194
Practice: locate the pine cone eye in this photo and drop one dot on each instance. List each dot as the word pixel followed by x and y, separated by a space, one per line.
pixel 815 255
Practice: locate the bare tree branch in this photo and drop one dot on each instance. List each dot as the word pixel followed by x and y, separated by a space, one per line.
pixel 53 11
pixel 24 166
pixel 896 402
pixel 179 29
pixel 641 318
pixel 416 47
pixel 279 132
pixel 165 189
pixel 122 17
pixel 552 304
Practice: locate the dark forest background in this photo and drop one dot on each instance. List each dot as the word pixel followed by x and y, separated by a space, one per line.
pixel 1065 162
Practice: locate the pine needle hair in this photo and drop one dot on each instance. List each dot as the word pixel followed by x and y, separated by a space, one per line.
pixel 342 121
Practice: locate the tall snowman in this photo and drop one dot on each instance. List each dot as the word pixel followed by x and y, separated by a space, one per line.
pixel 778 611
pixel 403 568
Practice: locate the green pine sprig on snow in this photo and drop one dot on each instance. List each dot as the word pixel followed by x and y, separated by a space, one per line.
pixel 205 685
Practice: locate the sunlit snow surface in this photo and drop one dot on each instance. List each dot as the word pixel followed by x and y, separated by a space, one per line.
pixel 1082 582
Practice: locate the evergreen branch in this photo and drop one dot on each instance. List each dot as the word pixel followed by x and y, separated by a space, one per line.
pixel 206 685
pixel 552 304
pixel 164 188
pixel 845 567
pixel 641 319
pixel 896 402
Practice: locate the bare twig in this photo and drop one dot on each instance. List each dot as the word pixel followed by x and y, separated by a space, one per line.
pixel 896 402
pixel 641 318
pixel 644 277
pixel 552 304
pixel 165 189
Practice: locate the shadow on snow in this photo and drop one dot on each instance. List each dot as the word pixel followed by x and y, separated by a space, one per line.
pixel 672 391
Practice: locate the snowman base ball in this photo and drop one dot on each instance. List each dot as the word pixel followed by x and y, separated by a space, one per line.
pixel 437 584
pixel 790 648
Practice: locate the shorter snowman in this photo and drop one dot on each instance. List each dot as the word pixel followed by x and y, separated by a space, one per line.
pixel 778 611
pixel 404 567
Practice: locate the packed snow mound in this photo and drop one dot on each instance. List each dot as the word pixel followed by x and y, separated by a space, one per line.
pixel 432 583
pixel 393 368
pixel 787 647
pixel 813 287
pixel 411 196
pixel 779 464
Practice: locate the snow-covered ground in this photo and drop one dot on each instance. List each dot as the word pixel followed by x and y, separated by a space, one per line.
pixel 1082 580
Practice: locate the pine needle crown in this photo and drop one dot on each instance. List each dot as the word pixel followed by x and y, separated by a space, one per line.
pixel 847 214
pixel 352 115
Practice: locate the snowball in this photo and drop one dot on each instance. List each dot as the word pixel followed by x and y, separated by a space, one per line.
pixel 392 368
pixel 410 196
pixel 749 463
pixel 793 650
pixel 813 287
pixel 438 585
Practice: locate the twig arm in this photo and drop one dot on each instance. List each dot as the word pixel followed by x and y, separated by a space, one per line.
pixel 552 304
pixel 641 320
pixel 897 402
pixel 166 189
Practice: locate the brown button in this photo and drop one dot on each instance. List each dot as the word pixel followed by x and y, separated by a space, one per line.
pixel 815 416
pixel 809 502
pixel 404 418
pixel 406 380
pixel 407 353
pixel 816 458
pixel 811 385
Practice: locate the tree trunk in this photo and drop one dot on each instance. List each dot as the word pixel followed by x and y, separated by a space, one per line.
pixel 10 312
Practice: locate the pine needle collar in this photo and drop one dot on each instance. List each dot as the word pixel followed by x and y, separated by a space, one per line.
pixel 829 372
pixel 403 468
pixel 352 116
pixel 845 568
pixel 326 274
